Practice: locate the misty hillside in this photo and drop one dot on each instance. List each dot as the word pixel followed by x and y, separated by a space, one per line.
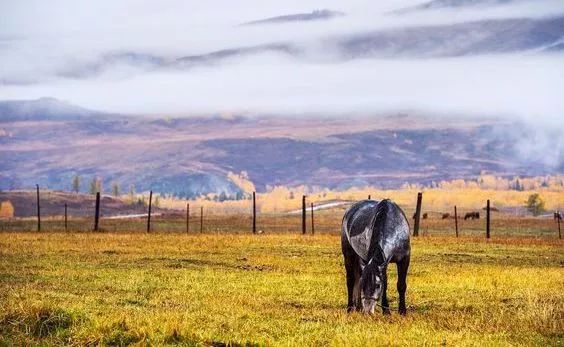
pixel 461 39
pixel 482 37
pixel 42 109
pixel 299 17
pixel 440 4
pixel 194 156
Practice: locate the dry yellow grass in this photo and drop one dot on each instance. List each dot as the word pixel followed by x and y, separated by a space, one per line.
pixel 179 289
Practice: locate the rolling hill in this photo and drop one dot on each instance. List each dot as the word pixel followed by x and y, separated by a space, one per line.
pixel 195 155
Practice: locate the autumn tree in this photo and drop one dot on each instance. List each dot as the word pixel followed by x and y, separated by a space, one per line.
pixel 76 183
pixel 131 193
pixel 95 186
pixel 535 204
pixel 222 197
pixel 115 189
pixel 157 202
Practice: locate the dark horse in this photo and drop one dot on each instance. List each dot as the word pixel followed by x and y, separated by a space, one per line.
pixel 374 234
pixel 472 215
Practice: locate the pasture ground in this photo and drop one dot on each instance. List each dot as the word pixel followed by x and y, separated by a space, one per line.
pixel 274 289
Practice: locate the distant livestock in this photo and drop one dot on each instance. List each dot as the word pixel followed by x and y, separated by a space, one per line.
pixel 472 215
pixel 446 215
pixel 424 215
pixel 557 216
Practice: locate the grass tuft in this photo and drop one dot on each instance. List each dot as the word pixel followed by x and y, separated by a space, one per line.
pixel 39 322
pixel 119 334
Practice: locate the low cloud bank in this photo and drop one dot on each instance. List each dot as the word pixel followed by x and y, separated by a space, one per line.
pixel 62 49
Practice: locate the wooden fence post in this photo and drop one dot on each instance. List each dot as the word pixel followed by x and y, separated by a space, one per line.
pixel 312 221
pixel 456 220
pixel 38 210
pixel 149 214
pixel 303 214
pixel 97 212
pixel 417 214
pixel 559 216
pixel 66 225
pixel 187 217
pixel 201 219
pixel 254 214
pixel 488 219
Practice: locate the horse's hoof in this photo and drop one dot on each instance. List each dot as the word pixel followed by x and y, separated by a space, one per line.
pixel 350 309
pixel 402 311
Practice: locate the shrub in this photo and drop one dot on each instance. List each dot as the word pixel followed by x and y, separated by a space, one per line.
pixel 535 204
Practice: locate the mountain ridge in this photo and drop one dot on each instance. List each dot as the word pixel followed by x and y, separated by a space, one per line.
pixel 190 157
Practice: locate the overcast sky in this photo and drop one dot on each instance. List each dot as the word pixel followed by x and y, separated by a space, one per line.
pixel 41 41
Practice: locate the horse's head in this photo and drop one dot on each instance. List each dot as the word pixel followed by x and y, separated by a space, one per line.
pixel 370 286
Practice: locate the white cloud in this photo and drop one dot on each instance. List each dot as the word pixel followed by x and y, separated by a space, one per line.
pixel 40 39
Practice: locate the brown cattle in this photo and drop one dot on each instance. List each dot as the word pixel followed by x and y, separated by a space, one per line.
pixel 446 215
pixel 472 215
pixel 424 215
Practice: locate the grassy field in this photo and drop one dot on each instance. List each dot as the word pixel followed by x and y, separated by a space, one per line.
pixel 273 289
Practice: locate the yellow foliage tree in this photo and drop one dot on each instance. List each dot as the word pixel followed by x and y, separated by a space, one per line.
pixel 242 181
pixel 6 209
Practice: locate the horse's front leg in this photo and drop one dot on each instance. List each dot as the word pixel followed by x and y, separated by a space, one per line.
pixel 352 268
pixel 403 266
pixel 356 288
pixel 385 304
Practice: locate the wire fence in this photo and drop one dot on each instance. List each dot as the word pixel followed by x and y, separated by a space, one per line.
pixel 321 218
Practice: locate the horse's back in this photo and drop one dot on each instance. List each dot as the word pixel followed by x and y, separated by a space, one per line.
pixel 358 229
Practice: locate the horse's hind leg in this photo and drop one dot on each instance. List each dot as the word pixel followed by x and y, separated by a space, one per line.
pixel 353 276
pixel 350 287
pixel 403 265
pixel 356 287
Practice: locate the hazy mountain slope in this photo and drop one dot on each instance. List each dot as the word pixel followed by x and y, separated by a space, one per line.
pixel 298 17
pixel 438 4
pixel 471 38
pixel 482 37
pixel 42 109
pixel 192 156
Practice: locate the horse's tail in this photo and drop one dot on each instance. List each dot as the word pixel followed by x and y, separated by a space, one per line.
pixel 382 210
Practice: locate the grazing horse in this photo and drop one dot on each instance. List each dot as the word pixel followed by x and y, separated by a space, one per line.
pixel 472 215
pixel 374 234
pixel 446 215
